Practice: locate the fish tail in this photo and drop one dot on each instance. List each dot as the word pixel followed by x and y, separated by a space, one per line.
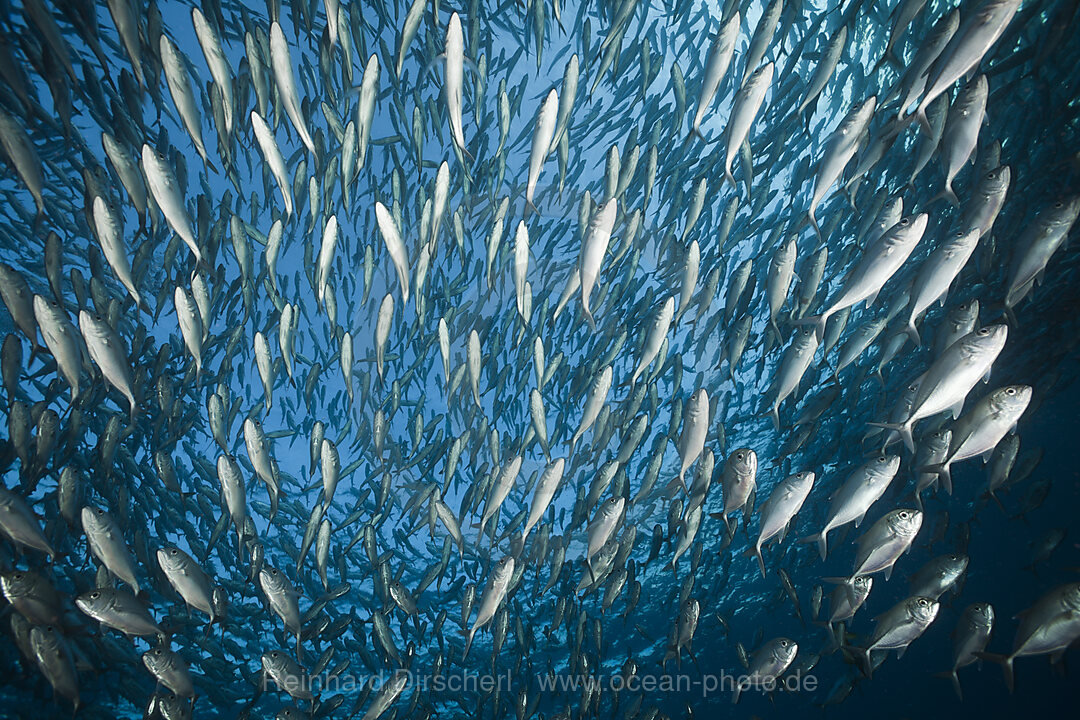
pixel 1006 663
pixel 821 539
pixel 949 194
pixel 951 675
pixel 920 115
pixel 867 665
pixel 943 472
pixel 817 228
pixel 904 429
pixel 818 321
pixel 774 413
pixel 694 133
pixel 760 559
pixel 913 333
pixel 468 643
pixel 592 321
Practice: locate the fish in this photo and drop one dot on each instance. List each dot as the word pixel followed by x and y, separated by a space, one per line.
pixel 877 265
pixel 489 303
pixel 862 489
pixel 899 626
pixel 971 636
pixel 1046 628
pixel 766 664
pixel 778 512
pixel 721 51
pixel 951 377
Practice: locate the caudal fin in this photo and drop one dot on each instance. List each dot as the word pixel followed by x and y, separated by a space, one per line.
pixel 904 429
pixel 755 551
pixel 821 539
pixel 1006 663
pixel 943 472
pixel 694 133
pixel 817 228
pixel 951 675
pixel 913 333
pixel 818 321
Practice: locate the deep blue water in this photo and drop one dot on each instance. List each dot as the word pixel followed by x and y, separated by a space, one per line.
pixel 635 105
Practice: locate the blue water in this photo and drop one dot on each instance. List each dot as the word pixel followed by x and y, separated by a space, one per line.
pixel 1032 111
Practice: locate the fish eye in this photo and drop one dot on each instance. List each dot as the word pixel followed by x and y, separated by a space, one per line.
pixel 905 222
pixel 902 514
pixel 922 601
pixel 1058 205
pixel 18 576
pixel 783 643
pixel 274 654
pixel 991 175
pixel 95 595
pixel 984 332
pixel 739 456
pixel 882 459
pixel 174 552
pixel 1010 391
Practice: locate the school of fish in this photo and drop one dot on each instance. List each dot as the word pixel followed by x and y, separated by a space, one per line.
pixel 406 340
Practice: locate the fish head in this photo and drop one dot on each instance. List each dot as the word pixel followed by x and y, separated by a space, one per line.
pixel 884 465
pixel 986 340
pixel 954 564
pixel 995 181
pixel 159 660
pixel 905 522
pixel 95 601
pixel 504 569
pixel 94 519
pixel 981 613
pixel 862 584
pixel 923 610
pixel 18 583
pixel 1011 400
pixel 1071 597
pixel 173 560
pixel 743 462
pixel 784 651
pixel 274 662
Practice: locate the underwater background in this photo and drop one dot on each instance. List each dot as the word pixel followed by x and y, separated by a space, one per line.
pixel 339 394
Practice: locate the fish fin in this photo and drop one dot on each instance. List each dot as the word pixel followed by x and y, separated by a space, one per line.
pixel 821 539
pixel 902 428
pixel 1006 663
pixel 694 133
pixel 818 321
pixel 871 298
pixel 913 333
pixel 468 643
pixel 755 551
pixel 817 228
pixel 674 486
pixel 943 472
pixel 951 675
